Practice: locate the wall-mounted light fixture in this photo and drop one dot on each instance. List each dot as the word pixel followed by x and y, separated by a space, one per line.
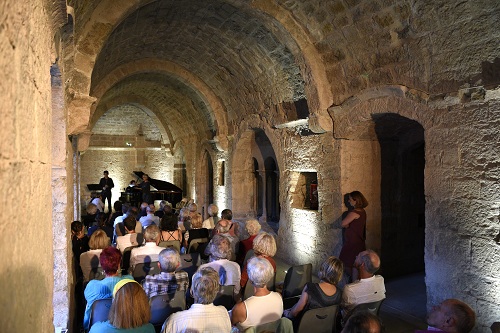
pixel 129 144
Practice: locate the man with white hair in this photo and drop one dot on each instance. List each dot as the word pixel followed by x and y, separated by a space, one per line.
pixel 219 251
pixel 149 251
pixel 169 280
pixel 203 315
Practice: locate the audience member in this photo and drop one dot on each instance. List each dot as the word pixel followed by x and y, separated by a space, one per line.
pixel 370 287
pixel 203 316
pixel 252 227
pixel 101 220
pixel 212 220
pixel 97 201
pixel 118 211
pixel 120 226
pixel 149 251
pixel 322 294
pixel 131 238
pixel 219 251
pixel 224 228
pixel 184 219
pixel 161 211
pixel 169 227
pixel 98 289
pixel 169 280
pixel 150 217
pixel 142 210
pixel 363 322
pixel 264 246
pixel 265 306
pixel 90 259
pixel 89 219
pixel 79 241
pixel 129 313
pixel 120 218
pixel 196 230
pixel 451 315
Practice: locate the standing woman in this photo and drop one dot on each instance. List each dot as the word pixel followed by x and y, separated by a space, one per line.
pixel 355 233
pixel 146 189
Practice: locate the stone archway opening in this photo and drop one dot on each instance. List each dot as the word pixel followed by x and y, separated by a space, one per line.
pixel 402 198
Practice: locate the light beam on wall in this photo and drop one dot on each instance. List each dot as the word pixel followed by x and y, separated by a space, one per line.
pixel 304 224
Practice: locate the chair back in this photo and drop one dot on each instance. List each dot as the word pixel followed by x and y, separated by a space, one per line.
pixel 164 305
pixel 96 273
pixel 145 268
pixel 372 307
pixel 100 310
pixel 323 320
pixel 282 325
pixel 295 279
pixel 171 243
pixel 126 259
pixel 225 297
pixel 249 290
pixel 249 255
pixel 195 243
pixel 290 301
pixel 190 263
pixel 495 327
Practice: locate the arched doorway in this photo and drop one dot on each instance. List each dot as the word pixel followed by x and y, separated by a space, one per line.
pixel 402 198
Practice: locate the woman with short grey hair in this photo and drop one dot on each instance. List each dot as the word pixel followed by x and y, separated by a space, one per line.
pixel 265 306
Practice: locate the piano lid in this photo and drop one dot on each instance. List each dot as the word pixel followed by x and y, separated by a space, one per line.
pixel 160 185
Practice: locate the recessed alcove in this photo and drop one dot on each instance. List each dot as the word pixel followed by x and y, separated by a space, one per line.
pixel 304 190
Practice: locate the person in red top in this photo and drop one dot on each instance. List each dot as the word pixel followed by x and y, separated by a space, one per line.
pixel 252 226
pixel 355 233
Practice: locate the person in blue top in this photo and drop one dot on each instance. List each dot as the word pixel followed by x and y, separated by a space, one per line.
pixel 109 259
pixel 129 313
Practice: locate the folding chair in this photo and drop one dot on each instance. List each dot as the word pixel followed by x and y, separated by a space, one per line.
pixel 173 243
pixel 146 268
pixel 100 310
pixel 322 319
pixel 225 297
pixel 295 279
pixel 282 325
pixel 164 305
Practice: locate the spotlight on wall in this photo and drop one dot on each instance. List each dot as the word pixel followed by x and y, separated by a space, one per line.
pixel 129 144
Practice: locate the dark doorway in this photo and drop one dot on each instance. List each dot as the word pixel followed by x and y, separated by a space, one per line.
pixel 402 196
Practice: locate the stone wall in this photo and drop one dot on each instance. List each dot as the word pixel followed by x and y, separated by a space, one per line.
pixel 27 259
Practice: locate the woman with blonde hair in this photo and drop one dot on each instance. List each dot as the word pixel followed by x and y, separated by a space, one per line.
pixel 264 246
pixel 90 259
pixel 322 294
pixel 130 311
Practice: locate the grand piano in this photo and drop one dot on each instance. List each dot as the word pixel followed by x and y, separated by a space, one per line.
pixel 160 190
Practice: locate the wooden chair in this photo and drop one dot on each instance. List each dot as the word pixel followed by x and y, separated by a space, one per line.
pixel 295 279
pixel 322 319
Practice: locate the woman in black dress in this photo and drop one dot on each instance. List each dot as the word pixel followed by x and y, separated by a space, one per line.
pixel 146 189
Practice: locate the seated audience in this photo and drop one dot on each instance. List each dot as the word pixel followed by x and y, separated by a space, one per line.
pixel 169 280
pixel 322 294
pixel 369 288
pixel 264 246
pixel 89 219
pixel 184 222
pixel 160 212
pixel 224 228
pixel 120 218
pixel 169 227
pixel 90 259
pixel 150 217
pixel 203 316
pixel 219 251
pixel 80 244
pixel 102 225
pixel 252 227
pixel 363 322
pixel 227 215
pixel 118 211
pixel 120 226
pixel 97 200
pixel 98 289
pixel 212 220
pixel 131 238
pixel 129 312
pixel 196 230
pixel 451 315
pixel 265 306
pixel 149 251
pixel 142 210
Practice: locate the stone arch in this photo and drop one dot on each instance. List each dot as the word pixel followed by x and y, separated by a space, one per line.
pixel 108 14
pixel 169 68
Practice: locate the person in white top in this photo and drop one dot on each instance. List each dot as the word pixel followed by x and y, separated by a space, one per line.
pixel 149 251
pixel 150 217
pixel 211 222
pixel 219 250
pixel 98 202
pixel 369 288
pixel 265 306
pixel 131 238
pixel 203 315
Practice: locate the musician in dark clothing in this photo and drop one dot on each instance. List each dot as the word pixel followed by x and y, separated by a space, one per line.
pixel 146 189
pixel 106 184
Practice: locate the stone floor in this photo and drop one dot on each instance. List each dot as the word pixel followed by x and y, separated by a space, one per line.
pixel 404 309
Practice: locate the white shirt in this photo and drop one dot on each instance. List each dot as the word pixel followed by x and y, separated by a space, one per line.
pixel 98 202
pixel 363 291
pixel 119 219
pixel 122 242
pixel 208 223
pixel 229 272
pixel 149 217
pixel 262 310
pixel 206 318
pixel 149 251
